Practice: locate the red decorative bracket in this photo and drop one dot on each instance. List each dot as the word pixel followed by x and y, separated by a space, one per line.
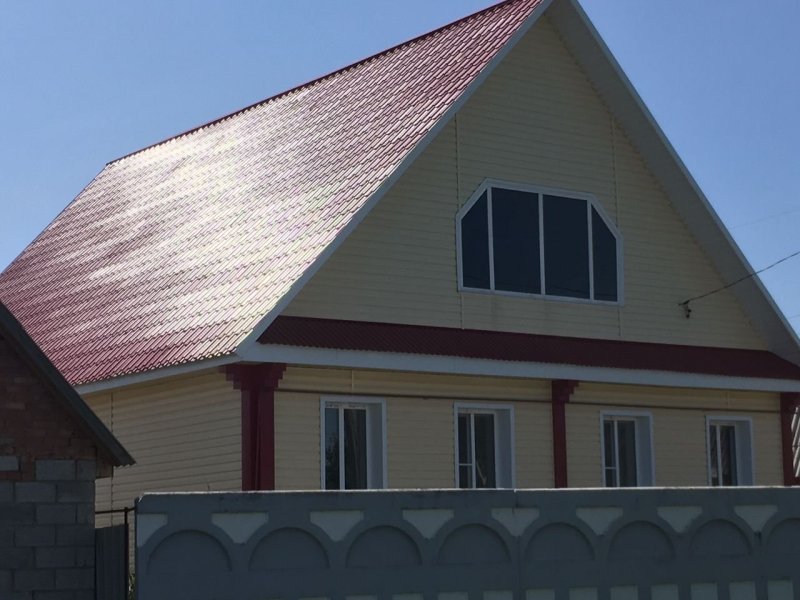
pixel 561 391
pixel 790 437
pixel 257 383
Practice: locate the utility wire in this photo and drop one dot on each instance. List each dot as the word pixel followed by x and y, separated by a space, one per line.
pixel 685 303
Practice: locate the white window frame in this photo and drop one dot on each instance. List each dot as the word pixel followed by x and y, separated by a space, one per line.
pixel 591 202
pixel 500 411
pixel 372 405
pixel 745 457
pixel 643 421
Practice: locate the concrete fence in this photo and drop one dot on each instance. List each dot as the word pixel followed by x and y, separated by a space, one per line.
pixel 656 544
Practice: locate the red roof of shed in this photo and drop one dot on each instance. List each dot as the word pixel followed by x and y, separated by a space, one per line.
pixel 175 253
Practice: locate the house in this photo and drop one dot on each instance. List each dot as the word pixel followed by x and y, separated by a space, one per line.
pixel 462 262
pixel 52 448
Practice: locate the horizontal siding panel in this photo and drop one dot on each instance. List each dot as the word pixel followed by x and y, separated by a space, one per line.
pixel 184 433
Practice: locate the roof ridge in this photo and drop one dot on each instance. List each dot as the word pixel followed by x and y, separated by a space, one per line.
pixel 313 81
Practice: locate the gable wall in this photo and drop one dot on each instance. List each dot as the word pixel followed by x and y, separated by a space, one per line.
pixel 183 432
pixel 536 120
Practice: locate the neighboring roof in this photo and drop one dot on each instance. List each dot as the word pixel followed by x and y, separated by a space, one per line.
pixel 174 254
pixel 63 392
pixel 523 347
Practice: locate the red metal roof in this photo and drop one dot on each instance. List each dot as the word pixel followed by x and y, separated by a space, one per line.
pixel 524 347
pixel 174 254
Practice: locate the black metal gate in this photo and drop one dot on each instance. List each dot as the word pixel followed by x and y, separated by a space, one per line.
pixel 111 560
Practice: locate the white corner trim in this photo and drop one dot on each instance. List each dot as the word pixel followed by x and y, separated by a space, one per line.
pixel 425 363
pixel 252 338
pixel 156 374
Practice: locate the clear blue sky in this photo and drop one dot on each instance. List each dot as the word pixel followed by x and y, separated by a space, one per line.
pixel 87 81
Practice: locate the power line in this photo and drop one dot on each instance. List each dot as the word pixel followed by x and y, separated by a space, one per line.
pixel 766 218
pixel 685 303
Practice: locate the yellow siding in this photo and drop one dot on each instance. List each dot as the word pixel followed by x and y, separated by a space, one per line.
pixel 420 426
pixel 534 452
pixel 297 441
pixel 184 433
pixel 679 430
pixel 420 437
pixel 421 443
pixel 536 120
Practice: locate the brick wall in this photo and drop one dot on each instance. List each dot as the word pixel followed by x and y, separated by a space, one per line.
pixel 48 467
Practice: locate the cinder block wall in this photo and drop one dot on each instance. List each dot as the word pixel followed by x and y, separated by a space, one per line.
pixel 48 467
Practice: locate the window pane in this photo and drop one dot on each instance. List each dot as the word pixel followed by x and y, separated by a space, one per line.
pixel 465 476
pixel 515 233
pixel 463 440
pixel 484 451
pixel 355 448
pixel 714 454
pixel 604 248
pixel 609 458
pixel 475 245
pixel 331 448
pixel 566 247
pixel 626 443
pixel 727 439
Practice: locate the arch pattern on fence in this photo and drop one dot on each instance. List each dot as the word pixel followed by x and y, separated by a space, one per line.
pixel 671 544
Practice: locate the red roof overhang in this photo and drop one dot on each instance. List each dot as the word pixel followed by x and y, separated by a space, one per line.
pixel 524 347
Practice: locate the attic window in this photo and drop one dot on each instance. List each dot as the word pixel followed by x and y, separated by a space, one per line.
pixel 521 240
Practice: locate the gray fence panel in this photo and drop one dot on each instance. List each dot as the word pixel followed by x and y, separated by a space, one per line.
pixel 111 562
pixel 659 544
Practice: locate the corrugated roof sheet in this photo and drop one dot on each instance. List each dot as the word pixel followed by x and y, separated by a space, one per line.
pixel 174 254
pixel 525 347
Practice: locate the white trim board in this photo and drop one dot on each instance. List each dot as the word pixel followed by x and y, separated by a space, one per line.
pixel 424 363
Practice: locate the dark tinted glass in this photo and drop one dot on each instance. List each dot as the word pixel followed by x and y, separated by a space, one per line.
pixel 355 448
pixel 484 452
pixel 727 443
pixel 475 246
pixel 626 442
pixel 609 456
pixel 566 247
pixel 331 448
pixel 515 232
pixel 464 452
pixel 604 248
pixel 714 451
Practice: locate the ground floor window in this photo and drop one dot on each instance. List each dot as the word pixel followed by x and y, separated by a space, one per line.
pixel 730 459
pixel 484 447
pixel 352 444
pixel 626 441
